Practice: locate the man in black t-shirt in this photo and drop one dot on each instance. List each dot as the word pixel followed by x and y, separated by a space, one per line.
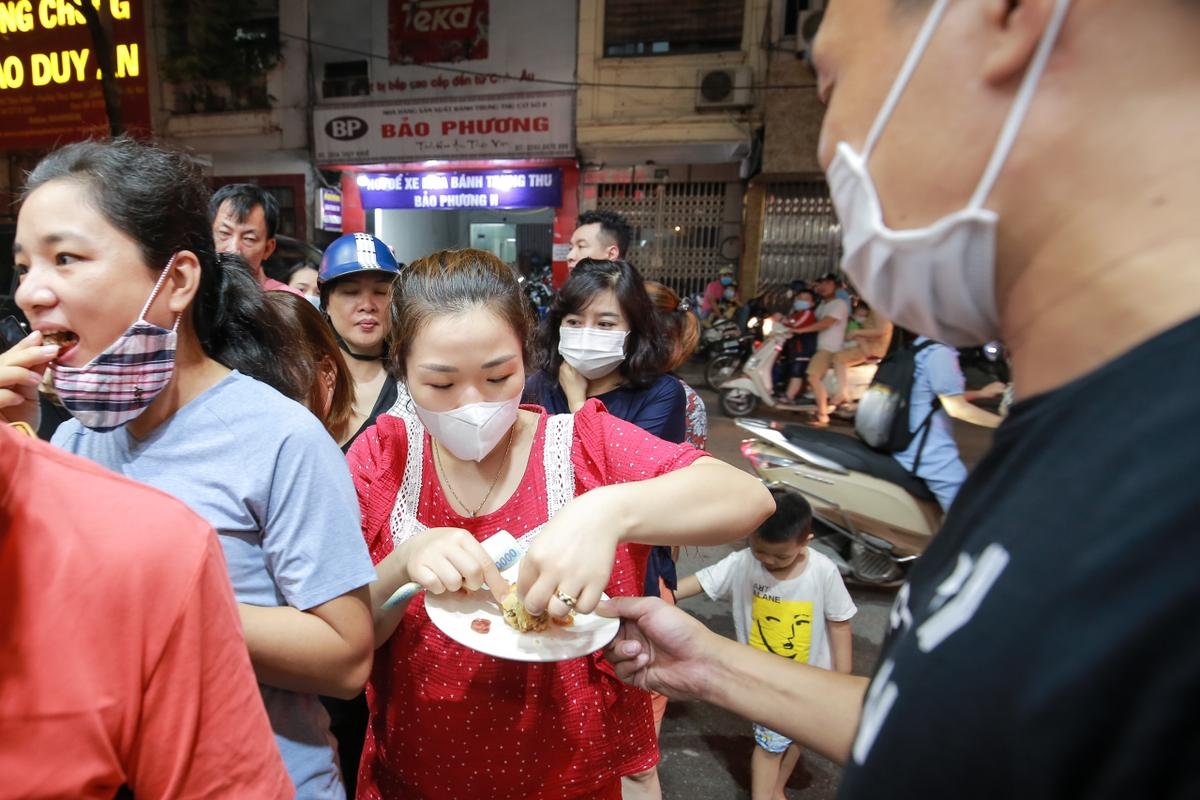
pixel 1045 645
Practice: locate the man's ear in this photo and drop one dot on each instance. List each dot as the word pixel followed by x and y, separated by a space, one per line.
pixel 1015 29
pixel 269 248
pixel 184 282
pixel 612 253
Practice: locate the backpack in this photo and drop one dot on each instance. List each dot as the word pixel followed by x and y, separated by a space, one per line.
pixel 882 417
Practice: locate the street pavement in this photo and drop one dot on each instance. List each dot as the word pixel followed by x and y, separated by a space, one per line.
pixel 705 750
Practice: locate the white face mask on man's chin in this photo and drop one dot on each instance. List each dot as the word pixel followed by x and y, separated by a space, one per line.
pixel 938 281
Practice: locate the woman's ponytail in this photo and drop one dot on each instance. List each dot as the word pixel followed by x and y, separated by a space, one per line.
pixel 239 328
pixel 680 326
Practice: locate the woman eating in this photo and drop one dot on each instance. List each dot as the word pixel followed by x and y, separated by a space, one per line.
pixel 587 494
pixel 117 269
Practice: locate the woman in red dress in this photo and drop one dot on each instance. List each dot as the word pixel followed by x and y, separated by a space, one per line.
pixel 586 493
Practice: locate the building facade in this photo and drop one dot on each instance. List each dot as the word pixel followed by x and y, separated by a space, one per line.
pixel 438 123
pixel 450 123
pixel 790 228
pixel 247 121
pixel 669 120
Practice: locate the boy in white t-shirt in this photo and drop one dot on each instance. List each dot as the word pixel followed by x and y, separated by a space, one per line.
pixel 788 600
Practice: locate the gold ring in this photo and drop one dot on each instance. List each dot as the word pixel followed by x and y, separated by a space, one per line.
pixel 566 599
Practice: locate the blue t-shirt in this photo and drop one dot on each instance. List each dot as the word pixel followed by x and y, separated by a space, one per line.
pixel 660 409
pixel 938 373
pixel 265 474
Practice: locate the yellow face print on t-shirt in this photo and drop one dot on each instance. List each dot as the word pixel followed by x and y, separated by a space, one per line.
pixel 782 627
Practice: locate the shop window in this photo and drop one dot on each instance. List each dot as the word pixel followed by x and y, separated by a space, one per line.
pixel 791 14
pixel 286 197
pixel 346 79
pixel 285 189
pixel 219 53
pixel 801 236
pixel 652 27
pixel 681 233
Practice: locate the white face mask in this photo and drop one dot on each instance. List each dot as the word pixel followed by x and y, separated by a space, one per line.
pixel 592 352
pixel 938 281
pixel 472 431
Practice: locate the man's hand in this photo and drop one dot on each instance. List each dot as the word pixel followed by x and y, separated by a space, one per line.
pixel 661 648
pixel 992 391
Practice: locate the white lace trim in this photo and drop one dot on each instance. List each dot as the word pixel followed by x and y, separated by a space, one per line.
pixel 403 407
pixel 556 461
pixel 560 472
pixel 404 523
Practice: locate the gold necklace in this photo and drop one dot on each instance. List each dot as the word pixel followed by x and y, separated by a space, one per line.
pixel 499 470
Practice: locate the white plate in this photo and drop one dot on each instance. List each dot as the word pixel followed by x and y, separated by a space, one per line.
pixel 453 613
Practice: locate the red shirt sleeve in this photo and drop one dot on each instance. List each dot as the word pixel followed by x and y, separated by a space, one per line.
pixel 609 450
pixel 203 730
pixel 377 459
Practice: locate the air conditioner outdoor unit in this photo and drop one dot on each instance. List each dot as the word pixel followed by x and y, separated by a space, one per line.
pixel 721 89
pixel 807 22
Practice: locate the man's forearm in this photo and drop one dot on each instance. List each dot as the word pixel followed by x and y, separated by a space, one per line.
pixel 817 327
pixel 817 708
pixel 958 407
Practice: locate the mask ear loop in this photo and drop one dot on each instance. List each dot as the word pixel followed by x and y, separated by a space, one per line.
pixel 162 278
pixel 1020 106
pixel 924 37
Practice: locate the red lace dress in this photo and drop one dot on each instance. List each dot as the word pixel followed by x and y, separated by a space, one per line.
pixel 449 722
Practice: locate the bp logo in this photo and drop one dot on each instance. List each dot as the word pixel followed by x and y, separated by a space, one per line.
pixel 345 128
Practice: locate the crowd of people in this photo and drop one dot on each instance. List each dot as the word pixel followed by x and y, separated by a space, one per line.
pixel 248 472
pixel 181 366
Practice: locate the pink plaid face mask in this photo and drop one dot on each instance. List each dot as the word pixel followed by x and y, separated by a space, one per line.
pixel 117 385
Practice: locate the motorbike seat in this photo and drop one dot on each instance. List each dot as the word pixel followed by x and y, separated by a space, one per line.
pixel 854 455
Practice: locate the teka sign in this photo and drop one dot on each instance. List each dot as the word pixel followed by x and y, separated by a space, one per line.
pixel 435 31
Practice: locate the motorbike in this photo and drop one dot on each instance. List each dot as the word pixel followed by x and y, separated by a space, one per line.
pixel 733 352
pixel 871 517
pixel 714 338
pixel 755 382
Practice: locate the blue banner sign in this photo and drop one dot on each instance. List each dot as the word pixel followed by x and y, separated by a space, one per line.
pixel 329 205
pixel 456 191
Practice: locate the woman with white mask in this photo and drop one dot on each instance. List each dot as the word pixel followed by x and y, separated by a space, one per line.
pixel 602 339
pixel 585 492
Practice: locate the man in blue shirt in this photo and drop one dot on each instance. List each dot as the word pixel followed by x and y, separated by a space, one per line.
pixel 933 456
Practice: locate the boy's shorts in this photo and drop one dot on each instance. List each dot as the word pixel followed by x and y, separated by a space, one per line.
pixel 769 740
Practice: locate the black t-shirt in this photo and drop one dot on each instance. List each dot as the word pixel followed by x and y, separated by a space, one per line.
pixel 1047 644
pixel 386 399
